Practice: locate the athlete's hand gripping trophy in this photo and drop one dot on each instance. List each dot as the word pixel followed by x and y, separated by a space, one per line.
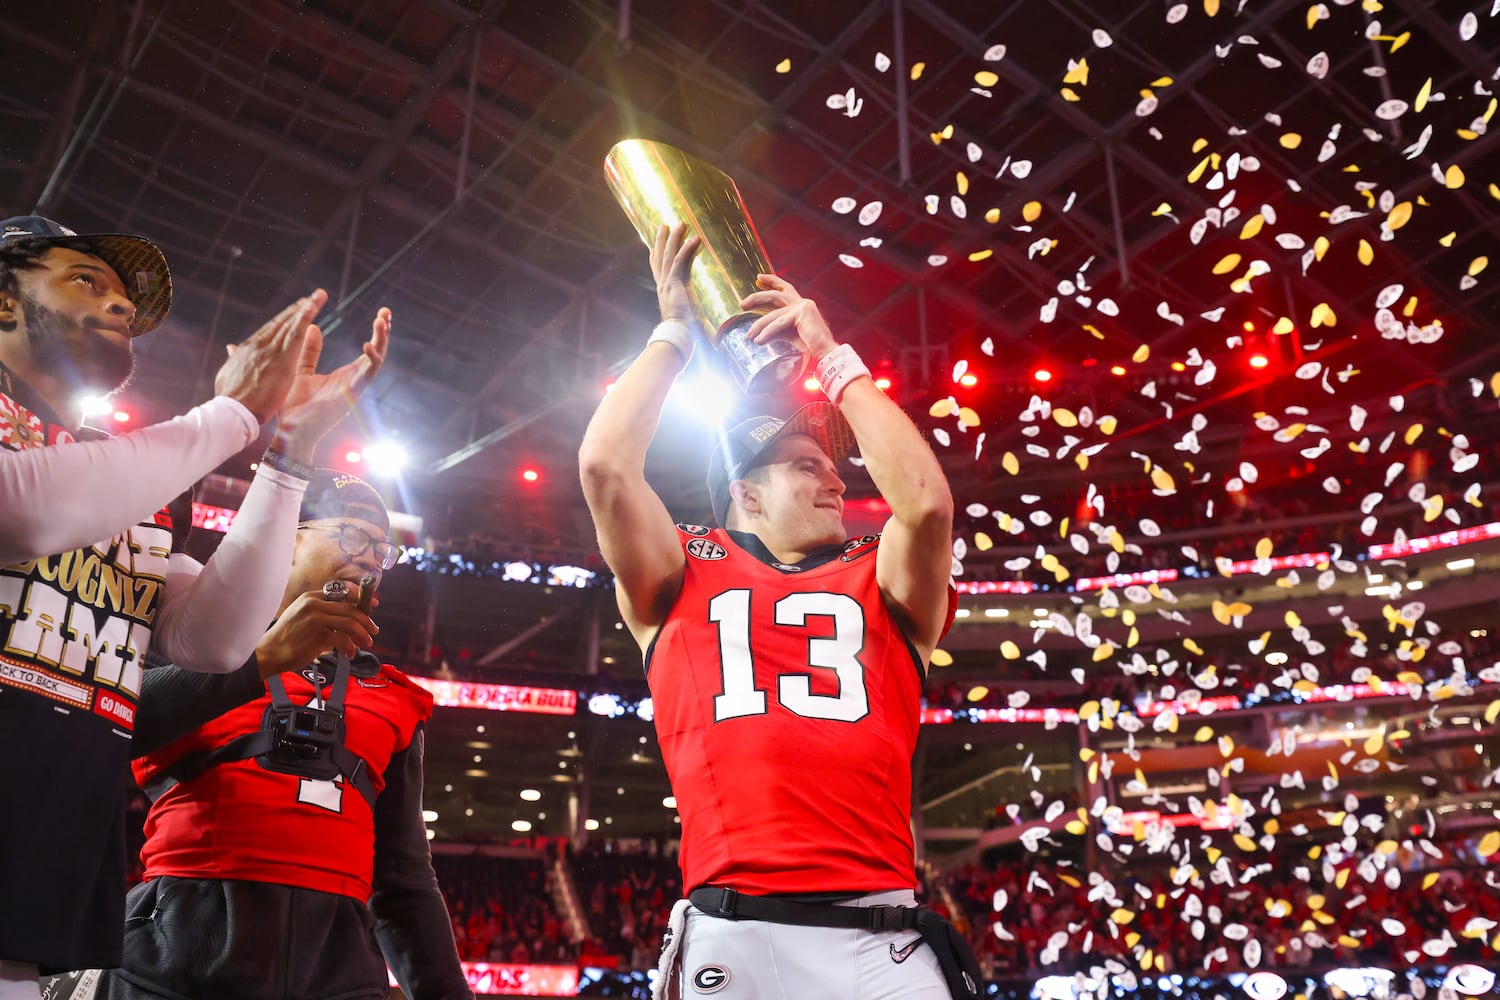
pixel 658 185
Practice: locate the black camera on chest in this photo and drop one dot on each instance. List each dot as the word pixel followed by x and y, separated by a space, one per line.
pixel 304 740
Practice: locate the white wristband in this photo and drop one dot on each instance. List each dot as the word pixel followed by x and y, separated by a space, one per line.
pixel 676 333
pixel 838 368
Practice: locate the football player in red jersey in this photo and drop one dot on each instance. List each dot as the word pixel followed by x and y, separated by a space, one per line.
pixel 285 858
pixel 785 664
pixel 88 576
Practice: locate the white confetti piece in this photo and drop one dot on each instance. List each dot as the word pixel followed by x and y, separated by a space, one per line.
pixel 844 205
pixel 994 53
pixel 849 260
pixel 882 62
pixel 870 213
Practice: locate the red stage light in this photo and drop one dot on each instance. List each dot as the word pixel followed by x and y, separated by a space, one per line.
pixel 121 416
pixel 1042 375
pixel 1259 361
pixel 1178 366
pixel 530 475
pixel 810 384
pixel 883 384
pixel 1249 326
pixel 353 456
pixel 969 379
pixel 1117 370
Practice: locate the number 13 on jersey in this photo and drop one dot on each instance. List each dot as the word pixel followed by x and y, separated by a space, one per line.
pixel 730 611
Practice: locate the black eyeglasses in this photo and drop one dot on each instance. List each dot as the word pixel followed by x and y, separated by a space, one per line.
pixel 354 540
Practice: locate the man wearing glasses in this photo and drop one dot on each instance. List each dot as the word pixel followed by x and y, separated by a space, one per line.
pixel 272 852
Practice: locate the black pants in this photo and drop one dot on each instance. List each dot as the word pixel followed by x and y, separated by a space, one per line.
pixel 192 939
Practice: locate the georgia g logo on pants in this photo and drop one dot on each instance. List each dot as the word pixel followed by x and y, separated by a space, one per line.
pixel 710 979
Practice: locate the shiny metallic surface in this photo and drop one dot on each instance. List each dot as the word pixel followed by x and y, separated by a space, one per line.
pixel 658 185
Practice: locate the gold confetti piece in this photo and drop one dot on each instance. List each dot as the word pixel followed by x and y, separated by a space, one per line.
pixel 1128 616
pixel 1477 265
pixel 992 216
pixel 1320 247
pixel 1076 827
pixel 1107 424
pixel 1069 94
pixel 1239 609
pixel 1227 263
pixel 1489 843
pixel 1133 638
pixel 785 66
pixel 1401 40
pixel 1243 842
pixel 1088 710
pixel 1162 480
pixel 1204 734
pixel 1313 16
pixel 1492 712
pixel 1283 326
pixel 1290 140
pixel 1122 916
pixel 962 182
pixel 916 71
pixel 1322 315
pixel 1192 647
pixel 1009 463
pixel 1211 7
pixel 1374 742
pixel 1087 754
pixel 1447 241
pixel 1345 939
pixel 1141 354
pixel 1412 433
pixel 1430 879
pixel 943 408
pixel 1340 880
pixel 1197 171
pixel 1273 827
pixel 1031 211
pixel 985 78
pixel 1264 548
pixel 977 693
pixel 979 255
pixel 1409 310
pixel 1252 226
pixel 1065 418
pixel 1082 461
pixel 1161 210
pixel 1221 612
pixel 983 542
pixel 1010 650
pixel 1423 95
pixel 1199 145
pixel 1453 177
pixel 1366 252
pixel 1079 74
pixel 1293 620
pixel 941 658
pixel 968 418
pixel 1165 81
pixel 1103 651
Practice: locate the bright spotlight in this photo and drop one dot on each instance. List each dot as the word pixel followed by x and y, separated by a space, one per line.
pixel 1259 361
pixel 385 458
pixel 93 406
pixel 707 395
pixel 521 825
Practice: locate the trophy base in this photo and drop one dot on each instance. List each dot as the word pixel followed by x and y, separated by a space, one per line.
pixel 760 369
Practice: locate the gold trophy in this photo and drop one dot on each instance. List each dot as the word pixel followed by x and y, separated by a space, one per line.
pixel 658 185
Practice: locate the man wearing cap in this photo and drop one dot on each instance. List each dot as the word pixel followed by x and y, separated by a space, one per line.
pixel 267 872
pixel 785 663
pixel 88 577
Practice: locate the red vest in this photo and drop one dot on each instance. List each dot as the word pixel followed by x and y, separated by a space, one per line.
pixel 239 821
pixel 787 707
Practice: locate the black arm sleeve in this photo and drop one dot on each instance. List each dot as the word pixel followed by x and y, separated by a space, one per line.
pixel 411 919
pixel 174 702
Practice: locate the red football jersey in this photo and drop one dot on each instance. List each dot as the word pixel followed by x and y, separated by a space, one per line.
pixel 787 708
pixel 238 820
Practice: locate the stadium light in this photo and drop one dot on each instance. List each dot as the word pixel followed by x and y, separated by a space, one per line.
pixel 385 458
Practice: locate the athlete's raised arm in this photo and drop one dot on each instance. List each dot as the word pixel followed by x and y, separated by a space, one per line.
pixel 636 535
pixel 913 566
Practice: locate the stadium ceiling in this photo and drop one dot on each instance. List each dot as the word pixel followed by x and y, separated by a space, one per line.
pixel 1031 160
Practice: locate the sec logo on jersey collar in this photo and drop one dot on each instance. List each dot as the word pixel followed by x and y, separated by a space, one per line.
pixel 704 548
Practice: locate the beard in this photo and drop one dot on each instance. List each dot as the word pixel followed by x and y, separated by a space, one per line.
pixel 85 362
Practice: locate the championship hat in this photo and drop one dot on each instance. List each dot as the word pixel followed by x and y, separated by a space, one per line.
pixel 739 448
pixel 338 494
pixel 139 263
